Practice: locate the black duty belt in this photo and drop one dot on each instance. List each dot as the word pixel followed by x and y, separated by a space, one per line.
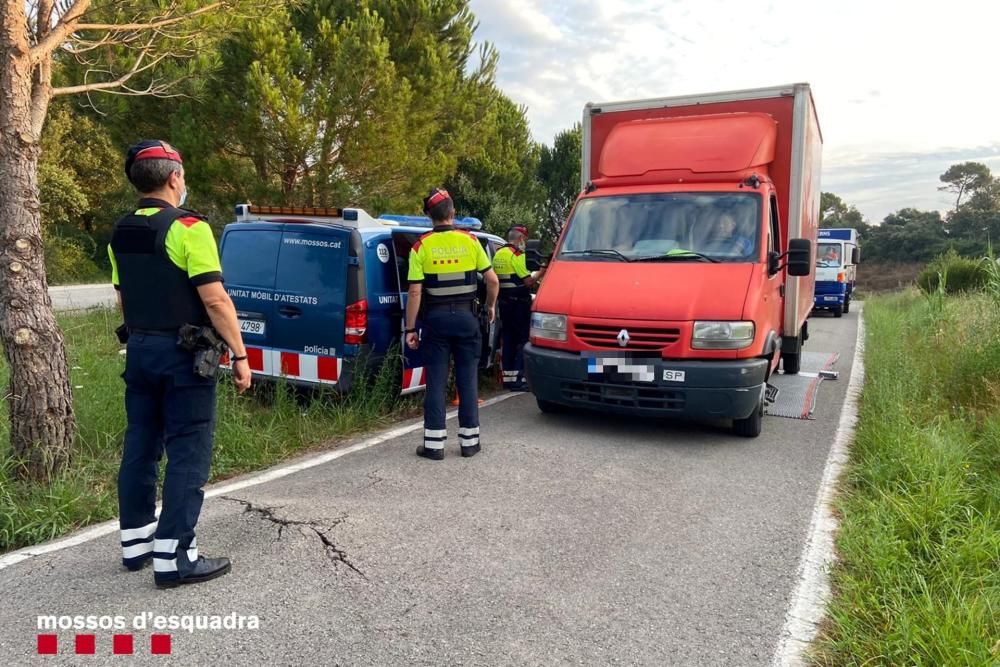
pixel 165 333
pixel 451 305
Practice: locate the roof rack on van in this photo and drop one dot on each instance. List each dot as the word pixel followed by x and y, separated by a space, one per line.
pixel 423 221
pixel 352 217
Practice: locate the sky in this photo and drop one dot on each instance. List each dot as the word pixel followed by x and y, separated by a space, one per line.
pixel 903 89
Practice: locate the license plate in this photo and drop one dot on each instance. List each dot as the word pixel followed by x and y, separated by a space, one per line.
pixel 624 368
pixel 255 327
pixel 829 298
pixel 674 376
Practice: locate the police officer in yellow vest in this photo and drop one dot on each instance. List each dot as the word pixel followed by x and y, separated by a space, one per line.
pixel 165 266
pixel 443 286
pixel 515 305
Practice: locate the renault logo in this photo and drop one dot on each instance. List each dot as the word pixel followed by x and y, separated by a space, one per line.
pixel 623 338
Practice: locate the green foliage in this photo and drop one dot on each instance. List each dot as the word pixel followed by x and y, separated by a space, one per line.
pixel 916 581
pixel 835 212
pixel 69 259
pixel 953 274
pixel 961 179
pixel 559 173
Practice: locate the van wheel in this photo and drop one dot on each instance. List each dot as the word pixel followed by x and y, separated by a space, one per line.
pixel 751 426
pixel 790 362
pixel 550 408
pixel 847 305
pixel 838 311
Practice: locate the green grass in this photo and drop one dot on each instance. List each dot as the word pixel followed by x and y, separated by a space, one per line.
pixel 918 577
pixel 253 431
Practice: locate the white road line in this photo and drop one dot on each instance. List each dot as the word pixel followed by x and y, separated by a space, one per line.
pixel 808 608
pixel 108 527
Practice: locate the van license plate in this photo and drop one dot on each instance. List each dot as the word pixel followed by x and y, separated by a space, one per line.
pixel 673 376
pixel 255 327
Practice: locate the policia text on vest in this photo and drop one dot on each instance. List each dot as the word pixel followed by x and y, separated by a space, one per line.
pixel 443 283
pixel 165 266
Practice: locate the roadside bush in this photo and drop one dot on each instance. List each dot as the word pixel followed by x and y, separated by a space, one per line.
pixel 957 275
pixel 69 260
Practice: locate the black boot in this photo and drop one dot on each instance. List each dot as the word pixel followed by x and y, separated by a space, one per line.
pixel 203 569
pixel 471 450
pixel 432 454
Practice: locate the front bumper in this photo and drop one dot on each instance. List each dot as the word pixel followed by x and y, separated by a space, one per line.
pixel 722 389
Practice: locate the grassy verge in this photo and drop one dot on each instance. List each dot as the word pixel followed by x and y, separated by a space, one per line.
pixel 253 432
pixel 918 580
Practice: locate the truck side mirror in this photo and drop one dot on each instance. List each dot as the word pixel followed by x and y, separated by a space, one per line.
pixel 533 256
pixel 799 257
pixel 855 256
pixel 773 262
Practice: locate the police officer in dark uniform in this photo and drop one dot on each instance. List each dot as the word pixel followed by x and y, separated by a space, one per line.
pixel 516 282
pixel 443 286
pixel 165 266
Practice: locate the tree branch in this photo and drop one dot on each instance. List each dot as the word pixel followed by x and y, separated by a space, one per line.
pixel 137 68
pixel 62 30
pixel 152 25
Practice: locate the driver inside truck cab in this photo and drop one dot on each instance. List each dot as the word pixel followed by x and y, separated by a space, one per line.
pixel 731 237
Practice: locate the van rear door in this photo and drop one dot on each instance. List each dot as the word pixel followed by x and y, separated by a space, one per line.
pixel 309 301
pixel 413 362
pixel 249 260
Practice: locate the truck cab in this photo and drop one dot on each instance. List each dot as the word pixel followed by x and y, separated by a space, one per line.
pixel 683 276
pixel 321 292
pixel 837 258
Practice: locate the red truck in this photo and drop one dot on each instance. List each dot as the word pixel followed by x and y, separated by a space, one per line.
pixel 683 275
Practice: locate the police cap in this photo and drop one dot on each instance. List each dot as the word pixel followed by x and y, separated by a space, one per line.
pixel 150 149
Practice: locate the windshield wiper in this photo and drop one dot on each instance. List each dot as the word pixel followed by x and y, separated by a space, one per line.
pixel 600 252
pixel 684 256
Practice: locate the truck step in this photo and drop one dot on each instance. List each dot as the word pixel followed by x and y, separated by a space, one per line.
pixel 770 394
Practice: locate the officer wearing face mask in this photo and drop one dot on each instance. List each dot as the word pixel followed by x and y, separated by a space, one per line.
pixel 165 266
pixel 515 305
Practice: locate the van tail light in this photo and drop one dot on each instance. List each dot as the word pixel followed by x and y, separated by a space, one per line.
pixel 841 277
pixel 356 323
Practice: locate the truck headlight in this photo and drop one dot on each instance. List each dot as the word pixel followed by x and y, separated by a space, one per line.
pixel 722 335
pixel 548 326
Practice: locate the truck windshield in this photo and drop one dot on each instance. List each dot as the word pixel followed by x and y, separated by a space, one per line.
pixel 828 255
pixel 695 227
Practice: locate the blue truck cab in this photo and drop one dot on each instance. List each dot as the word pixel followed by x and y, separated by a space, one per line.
pixel 837 257
pixel 321 292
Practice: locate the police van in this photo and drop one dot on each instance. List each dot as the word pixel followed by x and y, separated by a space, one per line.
pixel 321 292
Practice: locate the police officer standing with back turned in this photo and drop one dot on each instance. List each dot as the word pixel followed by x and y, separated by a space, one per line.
pixel 516 281
pixel 443 286
pixel 165 266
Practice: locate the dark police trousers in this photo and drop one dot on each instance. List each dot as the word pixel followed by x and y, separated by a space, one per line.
pixel 515 323
pixel 169 409
pixel 451 331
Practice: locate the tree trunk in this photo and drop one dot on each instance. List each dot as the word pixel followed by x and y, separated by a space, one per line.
pixel 39 396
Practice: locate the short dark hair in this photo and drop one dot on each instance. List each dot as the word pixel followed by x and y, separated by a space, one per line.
pixel 442 210
pixel 151 175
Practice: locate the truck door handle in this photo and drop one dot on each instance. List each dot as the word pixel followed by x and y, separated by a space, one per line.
pixel 290 311
pixel 781 291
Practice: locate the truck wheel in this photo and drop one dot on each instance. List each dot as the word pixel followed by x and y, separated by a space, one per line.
pixel 549 408
pixel 838 311
pixel 751 426
pixel 847 305
pixel 790 362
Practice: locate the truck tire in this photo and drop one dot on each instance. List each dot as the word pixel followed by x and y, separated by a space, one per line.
pixel 847 305
pixel 549 408
pixel 790 362
pixel 751 426
pixel 838 311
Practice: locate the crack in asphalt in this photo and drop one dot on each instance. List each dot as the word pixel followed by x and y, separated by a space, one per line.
pixel 267 513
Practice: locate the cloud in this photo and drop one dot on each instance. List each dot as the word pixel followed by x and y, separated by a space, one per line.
pixel 889 79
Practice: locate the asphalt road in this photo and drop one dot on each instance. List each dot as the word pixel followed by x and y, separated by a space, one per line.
pixel 82 297
pixel 578 539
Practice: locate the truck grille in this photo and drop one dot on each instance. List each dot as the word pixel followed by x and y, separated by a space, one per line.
pixel 640 338
pixel 624 396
